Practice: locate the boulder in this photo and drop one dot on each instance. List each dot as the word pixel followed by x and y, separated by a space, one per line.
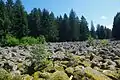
pixel 59 75
pixel 96 75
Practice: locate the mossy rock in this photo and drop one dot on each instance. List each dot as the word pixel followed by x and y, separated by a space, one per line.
pixel 4 75
pixel 95 75
pixel 45 75
pixel 17 77
pixel 28 77
pixel 58 67
pixel 112 74
pixel 75 60
pixel 59 75
pixel 69 70
pixel 49 68
pixel 39 75
pixel 36 75
pixel 86 63
pixel 64 62
pixel 78 73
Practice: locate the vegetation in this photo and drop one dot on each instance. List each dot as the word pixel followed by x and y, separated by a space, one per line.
pixel 4 75
pixel 15 21
pixel 116 28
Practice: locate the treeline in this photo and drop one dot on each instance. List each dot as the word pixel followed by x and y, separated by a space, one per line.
pixel 15 21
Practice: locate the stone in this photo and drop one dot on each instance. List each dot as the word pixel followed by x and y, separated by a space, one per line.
pixel 112 74
pixel 96 75
pixel 59 75
pixel 69 70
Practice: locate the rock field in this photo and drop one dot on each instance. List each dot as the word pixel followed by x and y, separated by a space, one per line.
pixel 70 61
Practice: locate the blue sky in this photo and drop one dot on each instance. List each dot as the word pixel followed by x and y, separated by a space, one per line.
pixel 100 11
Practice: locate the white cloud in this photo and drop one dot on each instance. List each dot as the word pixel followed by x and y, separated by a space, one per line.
pixel 110 26
pixel 103 17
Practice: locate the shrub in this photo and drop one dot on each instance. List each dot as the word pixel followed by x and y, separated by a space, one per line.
pixel 104 42
pixel 90 41
pixel 32 40
pixel 28 41
pixel 41 39
pixel 11 41
pixel 40 55
pixel 4 75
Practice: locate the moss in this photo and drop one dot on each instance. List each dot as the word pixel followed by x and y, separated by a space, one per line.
pixel 49 68
pixel 86 63
pixel 112 74
pixel 36 75
pixel 75 60
pixel 4 75
pixel 20 65
pixel 78 73
pixel 59 75
pixel 39 75
pixel 95 75
pixel 69 70
pixel 28 77
pixel 45 75
pixel 17 77
pixel 58 67
pixel 64 62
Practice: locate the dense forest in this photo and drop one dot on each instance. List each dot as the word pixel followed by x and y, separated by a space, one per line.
pixel 15 21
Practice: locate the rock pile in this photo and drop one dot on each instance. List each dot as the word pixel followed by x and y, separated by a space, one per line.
pixel 69 61
pixel 97 62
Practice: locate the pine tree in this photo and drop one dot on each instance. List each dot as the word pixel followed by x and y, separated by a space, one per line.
pixel 93 33
pixel 84 30
pixel 21 24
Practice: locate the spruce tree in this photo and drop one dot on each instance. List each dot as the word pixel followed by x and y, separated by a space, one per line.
pixel 53 28
pixel 116 27
pixel 34 22
pixel 59 24
pixel 21 24
pixel 2 22
pixel 93 33
pixel 84 30
pixel 72 23
pixel 10 15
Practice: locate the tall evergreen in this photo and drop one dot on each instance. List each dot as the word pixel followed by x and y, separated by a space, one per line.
pixel 34 22
pixel 10 15
pixel 60 28
pixel 84 30
pixel 53 28
pixel 101 32
pixel 2 21
pixel 108 33
pixel 98 31
pixel 65 29
pixel 21 24
pixel 93 33
pixel 72 23
pixel 116 27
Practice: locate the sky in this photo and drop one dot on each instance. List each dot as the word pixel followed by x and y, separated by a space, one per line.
pixel 99 11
